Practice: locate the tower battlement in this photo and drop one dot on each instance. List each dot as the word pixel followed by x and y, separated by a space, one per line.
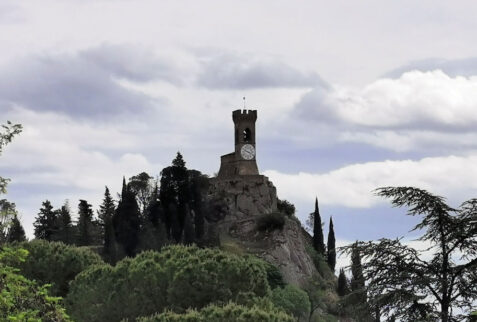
pixel 244 115
pixel 243 161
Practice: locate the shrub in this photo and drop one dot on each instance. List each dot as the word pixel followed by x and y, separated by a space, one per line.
pixel 231 312
pixel 56 263
pixel 292 299
pixel 270 222
pixel 22 299
pixel 274 276
pixel 177 278
pixel 285 207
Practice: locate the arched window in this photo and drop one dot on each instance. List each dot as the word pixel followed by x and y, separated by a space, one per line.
pixel 247 135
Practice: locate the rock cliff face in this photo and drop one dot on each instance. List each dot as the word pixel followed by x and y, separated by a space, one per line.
pixel 239 202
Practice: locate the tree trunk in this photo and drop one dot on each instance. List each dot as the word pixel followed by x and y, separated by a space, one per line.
pixel 444 312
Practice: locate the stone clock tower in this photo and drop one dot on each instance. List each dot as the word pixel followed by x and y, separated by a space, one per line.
pixel 243 161
pixel 240 196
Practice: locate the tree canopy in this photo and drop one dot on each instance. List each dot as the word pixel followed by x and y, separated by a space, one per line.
pixel 401 283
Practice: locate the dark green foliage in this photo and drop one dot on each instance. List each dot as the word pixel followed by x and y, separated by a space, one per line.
pixel 174 195
pixel 153 232
pixel 177 278
pixel 274 276
pixel 6 135
pixel 286 207
pixel 22 299
pixel 7 214
pixel 293 300
pixel 357 278
pixel 343 284
pixel 331 247
pixel 318 241
pixel 189 231
pixel 65 231
pixel 154 212
pixel 16 233
pixel 105 215
pixel 126 222
pixel 85 224
pixel 199 185
pixel 152 237
pixel 231 312
pixel 46 224
pixel 142 186
pixel 270 222
pixel 56 263
pixel 402 283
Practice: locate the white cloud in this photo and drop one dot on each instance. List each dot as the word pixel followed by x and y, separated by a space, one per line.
pixel 415 100
pixel 419 110
pixel 454 177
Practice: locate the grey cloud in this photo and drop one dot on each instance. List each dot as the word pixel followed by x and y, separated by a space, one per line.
pixel 455 67
pixel 10 13
pixel 82 84
pixel 138 64
pixel 239 72
pixel 314 106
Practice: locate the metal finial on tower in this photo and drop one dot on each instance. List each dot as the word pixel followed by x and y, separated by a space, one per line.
pixel 244 102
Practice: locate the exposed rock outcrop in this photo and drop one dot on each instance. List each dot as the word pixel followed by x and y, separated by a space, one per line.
pixel 239 202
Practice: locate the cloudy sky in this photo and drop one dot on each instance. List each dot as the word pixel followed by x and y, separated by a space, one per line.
pixel 351 96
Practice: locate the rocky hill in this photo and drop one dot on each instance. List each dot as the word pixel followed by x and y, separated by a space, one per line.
pixel 243 203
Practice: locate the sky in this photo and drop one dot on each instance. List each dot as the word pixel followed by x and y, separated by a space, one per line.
pixel 351 96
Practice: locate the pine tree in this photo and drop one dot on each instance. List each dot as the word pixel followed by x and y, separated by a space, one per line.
pixel 85 224
pixel 46 222
pixel 65 225
pixel 126 221
pixel 175 194
pixel 105 215
pixel 318 242
pixel 331 247
pixel 343 284
pixel 16 233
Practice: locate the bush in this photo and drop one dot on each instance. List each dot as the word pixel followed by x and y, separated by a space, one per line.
pixel 286 207
pixel 56 263
pixel 22 299
pixel 177 278
pixel 231 313
pixel 293 300
pixel 270 222
pixel 274 276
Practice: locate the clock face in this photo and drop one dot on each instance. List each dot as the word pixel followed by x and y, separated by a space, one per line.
pixel 247 151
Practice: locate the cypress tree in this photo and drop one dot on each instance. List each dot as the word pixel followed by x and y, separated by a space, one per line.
pixel 343 284
pixel 85 224
pixel 318 242
pixel 358 287
pixel 45 222
pixel 16 233
pixel 357 279
pixel 331 247
pixel 126 221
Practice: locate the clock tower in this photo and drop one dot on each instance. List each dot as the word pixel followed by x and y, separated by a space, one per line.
pixel 242 162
